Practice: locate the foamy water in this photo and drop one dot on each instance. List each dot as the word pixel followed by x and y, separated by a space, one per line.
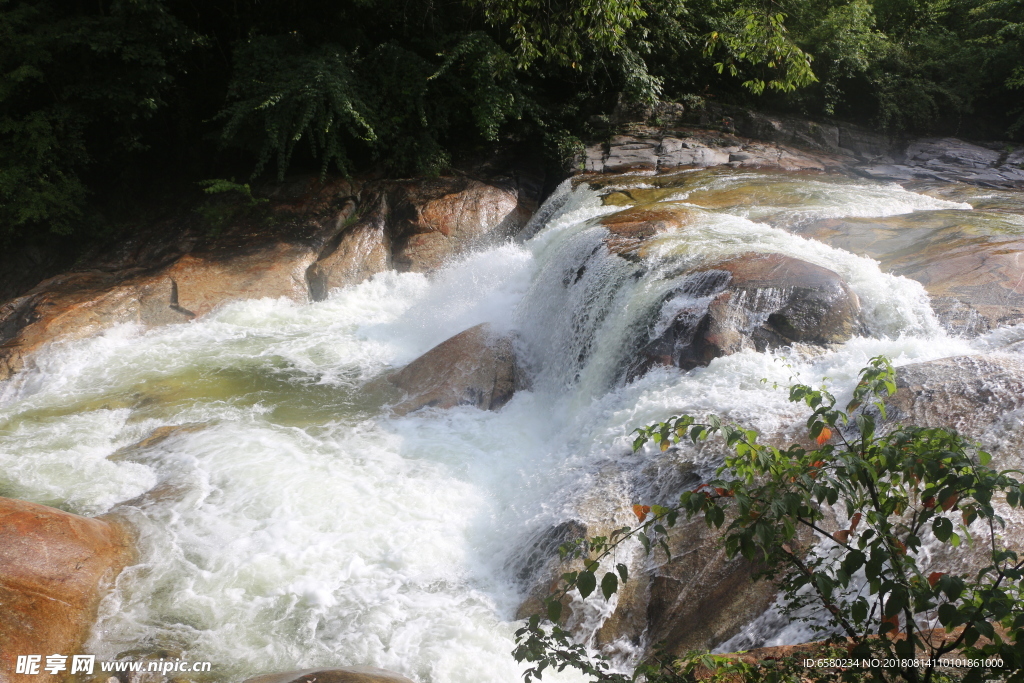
pixel 292 522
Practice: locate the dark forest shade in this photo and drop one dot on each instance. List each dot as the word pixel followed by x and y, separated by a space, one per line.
pixel 106 101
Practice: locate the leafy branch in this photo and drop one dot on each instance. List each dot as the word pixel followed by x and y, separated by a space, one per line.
pixel 895 491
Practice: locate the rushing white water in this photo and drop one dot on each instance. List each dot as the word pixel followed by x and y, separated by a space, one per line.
pixel 293 522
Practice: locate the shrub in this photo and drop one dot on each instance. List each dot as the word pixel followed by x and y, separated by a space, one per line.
pixel 893 490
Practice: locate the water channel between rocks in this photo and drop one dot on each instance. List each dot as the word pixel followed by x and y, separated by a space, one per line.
pixel 293 521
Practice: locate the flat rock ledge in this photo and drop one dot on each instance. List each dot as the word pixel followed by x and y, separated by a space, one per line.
pixel 661 151
pixel 755 140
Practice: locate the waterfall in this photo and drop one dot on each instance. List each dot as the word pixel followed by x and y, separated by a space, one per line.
pixel 287 520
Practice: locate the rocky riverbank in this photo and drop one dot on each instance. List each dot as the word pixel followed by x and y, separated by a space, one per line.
pixel 318 236
pixel 653 195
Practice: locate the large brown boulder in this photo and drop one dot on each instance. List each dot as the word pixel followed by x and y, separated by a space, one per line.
pixel 476 367
pixel 419 225
pixel 440 219
pixel 969 261
pixel 54 567
pixel 695 601
pixel 354 674
pixel 756 301
pixel 360 250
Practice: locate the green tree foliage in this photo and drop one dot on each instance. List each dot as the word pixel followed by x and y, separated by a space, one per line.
pixel 566 33
pixel 758 37
pixel 105 99
pixel 892 492
pixel 392 104
pixel 76 90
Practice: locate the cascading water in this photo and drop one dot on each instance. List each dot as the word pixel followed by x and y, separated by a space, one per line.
pixel 289 521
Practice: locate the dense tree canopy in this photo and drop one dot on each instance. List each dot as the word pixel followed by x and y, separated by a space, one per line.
pixel 106 99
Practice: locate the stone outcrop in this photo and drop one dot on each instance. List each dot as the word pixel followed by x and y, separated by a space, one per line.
pixel 419 225
pixel 321 237
pixel 78 305
pixel 476 367
pixel 54 567
pixel 355 674
pixel 698 599
pixel 951 160
pixel 982 397
pixel 756 301
pixel 631 229
pixel 358 252
pixel 693 147
pixel 751 139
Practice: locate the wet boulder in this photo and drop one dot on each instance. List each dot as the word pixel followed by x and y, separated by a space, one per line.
pixel 758 301
pixel 695 601
pixel 438 219
pixel 631 229
pixel 360 250
pixel 981 397
pixel 54 568
pixel 354 674
pixel 476 367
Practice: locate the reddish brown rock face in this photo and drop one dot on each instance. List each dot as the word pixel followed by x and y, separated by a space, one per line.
pixel 756 300
pixel 54 567
pixel 414 225
pixel 78 305
pixel 476 367
pixel 439 220
pixel 420 225
pixel 631 229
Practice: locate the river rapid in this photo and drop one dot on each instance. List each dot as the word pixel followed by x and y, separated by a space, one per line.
pixel 287 520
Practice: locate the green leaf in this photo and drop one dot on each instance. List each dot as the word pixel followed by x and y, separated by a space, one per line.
pixel 895 604
pixel 824 584
pixel 947 614
pixel 623 572
pixel 554 611
pixel 609 584
pixel 859 610
pixel 586 582
pixel 942 528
